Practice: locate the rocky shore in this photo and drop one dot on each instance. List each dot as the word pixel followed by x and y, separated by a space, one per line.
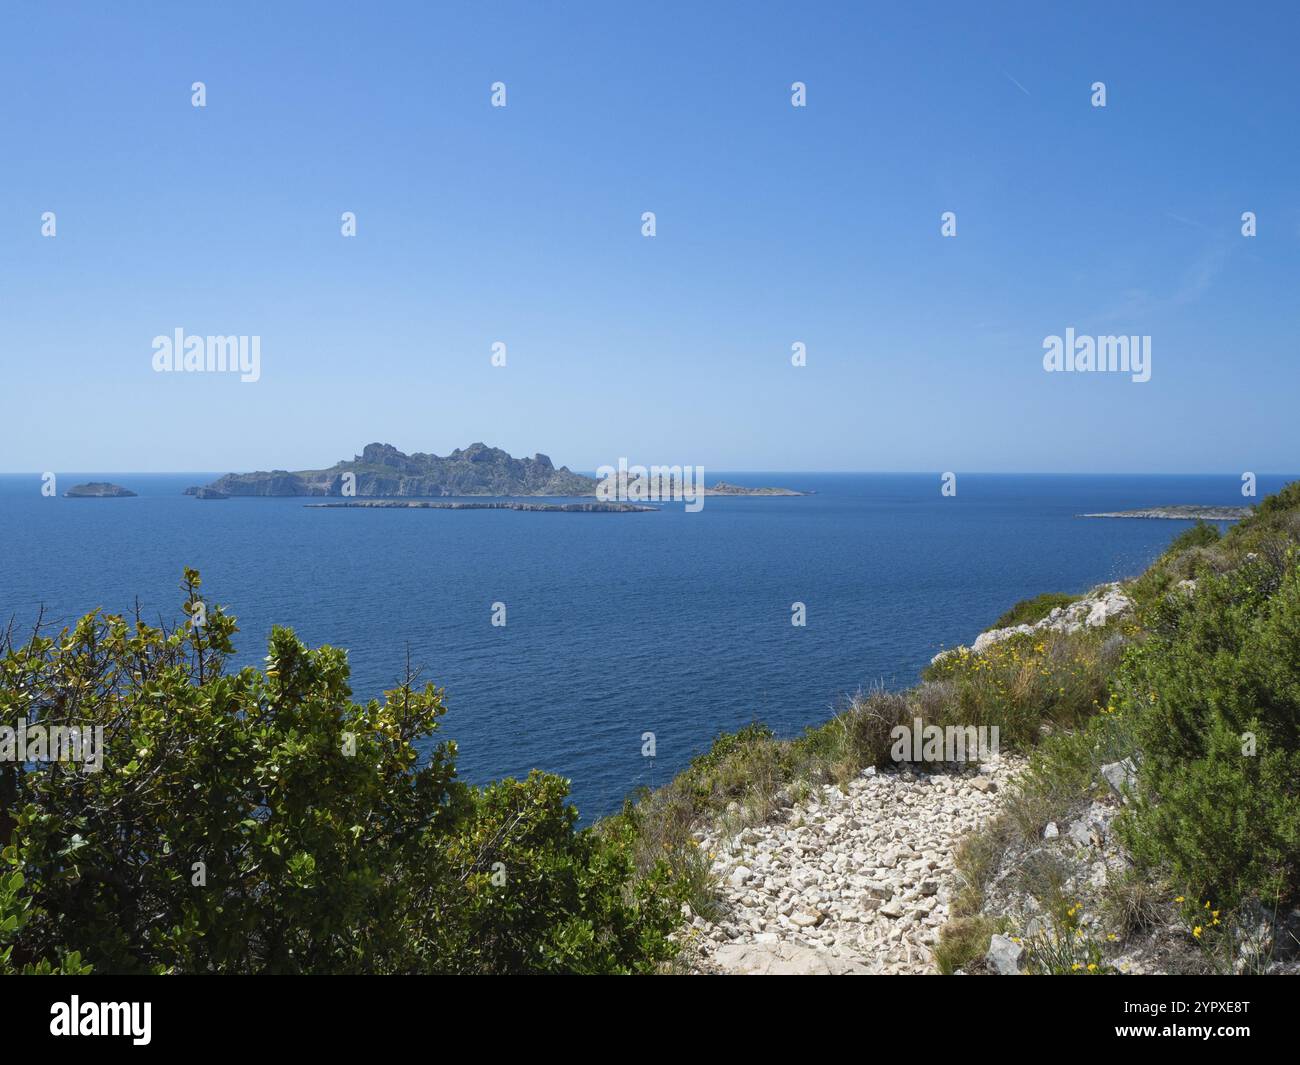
pixel 1094 610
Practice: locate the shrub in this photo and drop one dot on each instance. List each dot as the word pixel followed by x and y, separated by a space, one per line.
pixel 1215 697
pixel 261 821
pixel 1030 611
pixel 16 910
pixel 725 744
pixel 1202 534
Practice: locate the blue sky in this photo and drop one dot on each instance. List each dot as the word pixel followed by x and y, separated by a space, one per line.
pixel 775 224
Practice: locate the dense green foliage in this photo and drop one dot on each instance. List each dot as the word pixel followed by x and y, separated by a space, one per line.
pixel 261 821
pixel 16 910
pixel 1214 691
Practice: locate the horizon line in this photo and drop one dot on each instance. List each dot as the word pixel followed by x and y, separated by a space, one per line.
pixel 731 470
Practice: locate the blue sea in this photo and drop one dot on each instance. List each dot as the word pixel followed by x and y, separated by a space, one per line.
pixel 617 624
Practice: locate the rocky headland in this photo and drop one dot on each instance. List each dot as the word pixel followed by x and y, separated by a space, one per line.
pixel 1180 512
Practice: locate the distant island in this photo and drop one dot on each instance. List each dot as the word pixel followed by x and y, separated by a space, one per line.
pixel 1180 512
pixel 550 508
pixel 478 470
pixel 97 490
pixel 722 488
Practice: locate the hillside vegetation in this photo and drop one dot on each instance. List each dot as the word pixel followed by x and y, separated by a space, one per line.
pixel 1206 669
pixel 261 821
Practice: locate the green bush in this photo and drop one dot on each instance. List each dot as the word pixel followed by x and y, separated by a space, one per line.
pixel 726 744
pixel 261 821
pixel 1202 534
pixel 1214 693
pixel 16 910
pixel 1030 611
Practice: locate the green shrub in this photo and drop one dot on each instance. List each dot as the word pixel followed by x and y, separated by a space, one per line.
pixel 261 821
pixel 1214 692
pixel 1030 611
pixel 1202 534
pixel 725 744
pixel 16 910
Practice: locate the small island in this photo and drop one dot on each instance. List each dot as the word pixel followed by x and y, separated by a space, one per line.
pixel 1180 512
pixel 97 490
pixel 546 508
pixel 723 488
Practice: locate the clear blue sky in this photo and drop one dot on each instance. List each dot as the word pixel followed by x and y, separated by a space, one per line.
pixel 775 225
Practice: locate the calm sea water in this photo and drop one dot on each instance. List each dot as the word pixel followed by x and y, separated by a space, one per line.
pixel 618 624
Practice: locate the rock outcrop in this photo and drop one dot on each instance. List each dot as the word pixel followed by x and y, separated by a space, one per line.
pixel 1099 607
pixel 382 470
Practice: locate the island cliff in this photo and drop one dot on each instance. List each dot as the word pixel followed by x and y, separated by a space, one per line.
pixel 381 470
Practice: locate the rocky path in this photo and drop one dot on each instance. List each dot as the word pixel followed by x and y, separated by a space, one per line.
pixel 852 880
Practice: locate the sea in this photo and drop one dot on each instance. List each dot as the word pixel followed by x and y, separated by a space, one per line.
pixel 673 623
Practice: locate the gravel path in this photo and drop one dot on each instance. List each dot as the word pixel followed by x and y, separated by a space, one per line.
pixel 852 880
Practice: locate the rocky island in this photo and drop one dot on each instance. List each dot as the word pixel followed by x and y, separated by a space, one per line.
pixel 98 490
pixel 478 470
pixel 547 508
pixel 722 488
pixel 1180 512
